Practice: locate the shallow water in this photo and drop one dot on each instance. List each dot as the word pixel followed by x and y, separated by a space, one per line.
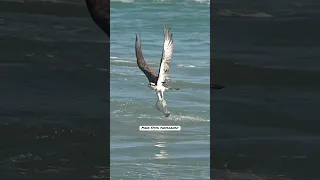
pixel 264 124
pixel 160 155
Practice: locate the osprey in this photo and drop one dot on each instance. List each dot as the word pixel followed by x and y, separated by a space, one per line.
pixel 158 80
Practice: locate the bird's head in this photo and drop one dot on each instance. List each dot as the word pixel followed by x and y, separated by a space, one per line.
pixel 151 84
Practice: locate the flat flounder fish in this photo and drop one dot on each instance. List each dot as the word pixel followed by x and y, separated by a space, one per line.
pixel 162 107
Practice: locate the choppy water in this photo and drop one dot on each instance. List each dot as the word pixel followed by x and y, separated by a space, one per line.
pixel 160 155
pixel 265 123
pixel 53 116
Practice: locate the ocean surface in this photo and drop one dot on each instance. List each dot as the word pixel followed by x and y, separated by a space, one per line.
pixel 54 92
pixel 54 104
pixel 160 155
pixel 265 123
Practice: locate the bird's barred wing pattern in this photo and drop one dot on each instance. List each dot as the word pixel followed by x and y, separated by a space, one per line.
pixel 166 56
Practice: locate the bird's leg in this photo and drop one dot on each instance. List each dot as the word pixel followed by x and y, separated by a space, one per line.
pixel 159 96
pixel 162 95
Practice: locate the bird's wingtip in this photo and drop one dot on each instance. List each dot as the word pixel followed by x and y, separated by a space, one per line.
pixel 167 27
pixel 137 37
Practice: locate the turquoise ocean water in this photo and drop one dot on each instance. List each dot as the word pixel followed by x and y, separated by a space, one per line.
pixel 160 155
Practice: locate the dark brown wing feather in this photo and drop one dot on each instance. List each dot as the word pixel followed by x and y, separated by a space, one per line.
pixel 100 13
pixel 151 74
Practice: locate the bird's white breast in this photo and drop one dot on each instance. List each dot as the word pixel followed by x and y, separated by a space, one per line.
pixel 161 88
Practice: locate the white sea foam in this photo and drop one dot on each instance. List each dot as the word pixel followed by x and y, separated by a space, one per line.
pixel 173 117
pixel 123 61
pixel 202 1
pixel 186 65
pixel 187 118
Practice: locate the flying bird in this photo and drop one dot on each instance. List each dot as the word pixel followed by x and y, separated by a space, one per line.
pixel 100 13
pixel 158 80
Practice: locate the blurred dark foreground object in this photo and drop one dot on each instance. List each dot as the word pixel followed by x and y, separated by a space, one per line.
pixel 100 13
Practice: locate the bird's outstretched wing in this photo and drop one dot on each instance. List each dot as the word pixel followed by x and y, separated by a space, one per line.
pixel 166 56
pixel 151 74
